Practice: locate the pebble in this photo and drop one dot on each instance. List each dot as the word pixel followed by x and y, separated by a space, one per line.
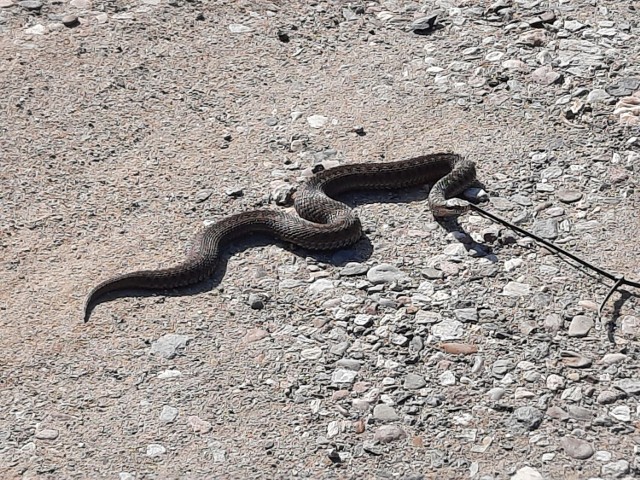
pixel 447 379
pixel 621 413
pixel 155 450
pixel 516 289
pixel 46 434
pixel 6 3
pixel 527 473
pixel 546 228
pixel 352 269
pixel 239 28
pixel 254 335
pixel 615 469
pixel 629 386
pixel 575 360
pixel 414 382
pixel 448 329
pixel 321 285
pixel 568 196
pixel 168 345
pixel 343 376
pixel 70 21
pixel 580 326
pixel 389 433
pixel 384 273
pixel 198 425
pixel 529 417
pixel 608 397
pixel 577 448
pixel 32 5
pixel 385 413
pixel 168 414
pixel 317 121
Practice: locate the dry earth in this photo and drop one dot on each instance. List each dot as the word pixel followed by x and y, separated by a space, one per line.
pixel 121 134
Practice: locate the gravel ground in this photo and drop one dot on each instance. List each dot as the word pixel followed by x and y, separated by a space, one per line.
pixel 424 351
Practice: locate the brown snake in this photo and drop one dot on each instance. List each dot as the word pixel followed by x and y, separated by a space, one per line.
pixel 323 223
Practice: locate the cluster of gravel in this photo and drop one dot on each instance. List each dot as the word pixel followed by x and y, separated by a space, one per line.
pixel 427 350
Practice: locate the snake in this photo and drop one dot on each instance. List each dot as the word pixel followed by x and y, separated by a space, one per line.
pixel 322 222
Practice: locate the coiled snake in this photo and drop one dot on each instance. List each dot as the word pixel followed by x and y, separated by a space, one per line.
pixel 323 223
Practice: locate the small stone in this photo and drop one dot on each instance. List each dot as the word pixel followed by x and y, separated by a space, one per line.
pixel 447 379
pixel 516 289
pixel 168 414
pixel 32 5
pixel 629 386
pixel 598 96
pixel 623 87
pixel 615 469
pixel 529 417
pixel 70 21
pixel 573 25
pixel 385 413
pixel 553 322
pixel 36 30
pixel 555 382
pixel 468 315
pixel 6 3
pixel 568 196
pixel 389 433
pixel 414 382
pixel 239 28
pixel 621 413
pixel 424 24
pixel 198 425
pixel 448 329
pixel 317 121
pixel 343 376
pixel 254 335
pixel 576 448
pixel 607 397
pixel 353 268
pixel 546 76
pixel 313 353
pixel 203 195
pixel 46 434
pixel 321 285
pixel 234 192
pixel 168 345
pixel 575 360
pixel 534 38
pixel 527 473
pixel 612 358
pixel 495 394
pixel 580 326
pixel 500 368
pixel 547 228
pixel 155 450
pixel 384 273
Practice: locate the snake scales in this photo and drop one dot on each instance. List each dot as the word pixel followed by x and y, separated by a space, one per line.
pixel 323 223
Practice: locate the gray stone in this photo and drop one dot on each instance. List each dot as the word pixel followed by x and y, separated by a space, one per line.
pixel 500 368
pixel 168 414
pixel 70 21
pixel 469 315
pixel 385 413
pixel 577 448
pixel 353 268
pixel 155 450
pixel 349 364
pixel 623 87
pixel 621 413
pixel 547 228
pixel 389 433
pixel 516 289
pixel 238 28
pixel 46 434
pixel 546 76
pixel 580 326
pixel 607 397
pixel 628 385
pixel 384 273
pixel 553 322
pixel 448 329
pixel 527 473
pixel 598 96
pixel 168 345
pixel 31 4
pixel 317 121
pixel 343 376
pixel 529 417
pixel 414 382
pixel 321 285
pixel 568 196
pixel 615 469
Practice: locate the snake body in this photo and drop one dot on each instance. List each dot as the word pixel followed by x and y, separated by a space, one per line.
pixel 323 222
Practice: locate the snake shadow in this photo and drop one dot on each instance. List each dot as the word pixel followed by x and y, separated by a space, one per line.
pixel 359 252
